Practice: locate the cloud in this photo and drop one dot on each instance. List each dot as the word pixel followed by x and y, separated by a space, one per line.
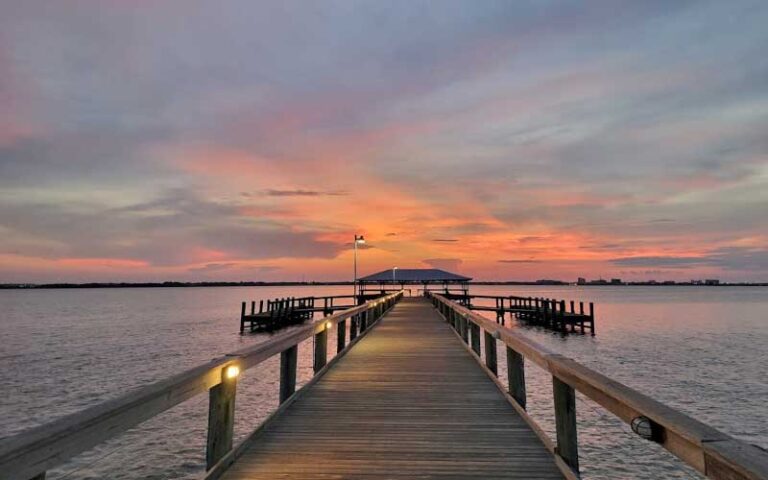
pixel 270 131
pixel 304 193
pixel 177 228
pixel 661 261
pixel 220 267
pixel 522 260
pixel 450 264
pixel 728 258
pixel 212 267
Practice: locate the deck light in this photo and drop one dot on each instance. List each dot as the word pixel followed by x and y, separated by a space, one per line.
pixel 328 325
pixel 232 371
pixel 645 427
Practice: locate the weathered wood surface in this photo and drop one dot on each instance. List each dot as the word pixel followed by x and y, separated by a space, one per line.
pixel 221 420
pixel 407 402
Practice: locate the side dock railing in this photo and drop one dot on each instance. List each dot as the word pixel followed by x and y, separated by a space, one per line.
pixel 711 452
pixel 30 454
pixel 549 313
pixel 282 312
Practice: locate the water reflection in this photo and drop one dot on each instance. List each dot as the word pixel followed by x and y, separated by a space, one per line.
pixel 701 350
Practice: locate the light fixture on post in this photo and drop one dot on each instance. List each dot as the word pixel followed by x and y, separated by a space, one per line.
pixel 359 240
pixel 231 372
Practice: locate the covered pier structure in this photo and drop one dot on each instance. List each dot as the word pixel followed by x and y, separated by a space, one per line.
pixel 397 279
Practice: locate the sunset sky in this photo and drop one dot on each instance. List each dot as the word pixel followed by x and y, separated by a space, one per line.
pixel 250 140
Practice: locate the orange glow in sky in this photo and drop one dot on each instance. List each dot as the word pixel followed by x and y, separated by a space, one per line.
pixel 499 141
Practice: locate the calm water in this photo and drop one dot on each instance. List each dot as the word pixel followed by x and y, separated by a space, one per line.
pixel 701 350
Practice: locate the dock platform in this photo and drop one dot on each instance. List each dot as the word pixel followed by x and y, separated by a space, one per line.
pixel 408 401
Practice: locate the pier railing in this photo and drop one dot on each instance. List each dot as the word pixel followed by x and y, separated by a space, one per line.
pixel 711 452
pixel 29 454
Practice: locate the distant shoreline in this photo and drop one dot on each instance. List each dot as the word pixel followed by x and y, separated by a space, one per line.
pixel 23 286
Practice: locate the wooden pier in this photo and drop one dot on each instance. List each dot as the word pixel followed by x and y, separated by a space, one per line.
pixel 410 393
pixel 383 411
pixel 282 312
pixel 548 313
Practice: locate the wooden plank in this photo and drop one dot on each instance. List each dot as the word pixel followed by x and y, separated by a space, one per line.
pixel 383 412
pixel 288 364
pixel 321 350
pixel 353 325
pixel 516 376
pixel 565 423
pixel 221 419
pixel 475 329
pixel 490 353
pixel 341 335
pixel 734 460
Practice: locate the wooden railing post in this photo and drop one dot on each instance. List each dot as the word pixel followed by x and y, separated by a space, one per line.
pixel 490 353
pixel 242 319
pixel 565 422
pixel 288 363
pixel 353 327
pixel 516 376
pixel 221 418
pixel 475 336
pixel 341 335
pixel 321 349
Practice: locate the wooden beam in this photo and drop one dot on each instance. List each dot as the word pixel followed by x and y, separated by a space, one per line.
pixel 475 337
pixel 490 353
pixel 221 418
pixel 341 335
pixel 353 322
pixel 516 376
pixel 321 349
pixel 288 364
pixel 565 423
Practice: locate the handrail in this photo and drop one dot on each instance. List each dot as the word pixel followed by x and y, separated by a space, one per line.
pixel 30 453
pixel 708 450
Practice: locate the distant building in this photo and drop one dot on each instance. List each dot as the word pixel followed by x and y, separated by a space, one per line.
pixel 615 281
pixel 668 282
pixel 581 281
pixel 546 281
pixel 711 281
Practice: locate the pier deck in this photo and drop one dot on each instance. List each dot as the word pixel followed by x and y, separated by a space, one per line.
pixel 408 401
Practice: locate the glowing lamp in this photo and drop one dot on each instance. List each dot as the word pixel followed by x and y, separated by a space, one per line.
pixel 328 324
pixel 232 371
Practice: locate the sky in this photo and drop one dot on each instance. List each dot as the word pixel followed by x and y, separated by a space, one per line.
pixel 251 140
